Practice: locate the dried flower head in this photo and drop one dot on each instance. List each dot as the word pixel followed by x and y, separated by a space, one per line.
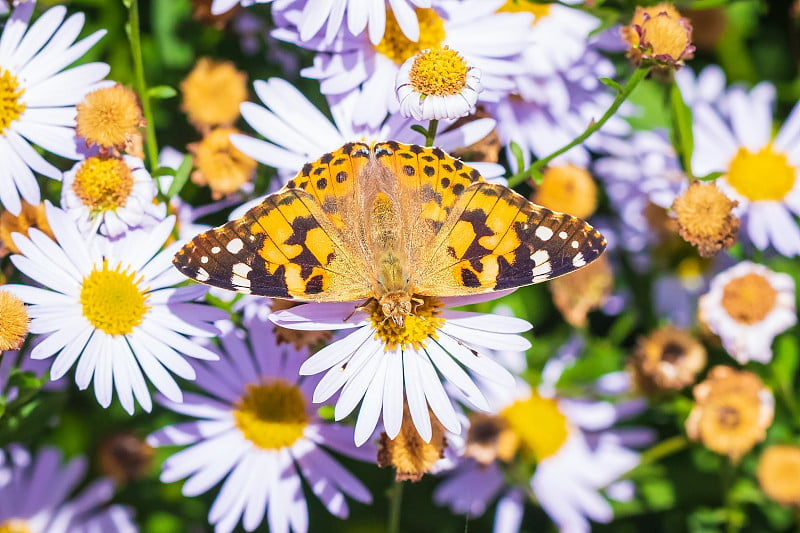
pixel 490 438
pixel 219 164
pixel 666 359
pixel 125 457
pixel 13 322
pixel 212 93
pixel 659 35
pixel 778 473
pixel 297 337
pixel 408 453
pixel 705 218
pixel 732 411
pixel 110 118
pixel 583 291
pixel 30 216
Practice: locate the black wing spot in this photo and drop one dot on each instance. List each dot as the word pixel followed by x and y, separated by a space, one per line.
pixel 322 183
pixel 341 177
pixel 458 188
pixel 408 170
pixel 429 171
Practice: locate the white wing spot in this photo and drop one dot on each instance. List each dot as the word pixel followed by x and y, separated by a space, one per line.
pixel 201 275
pixel 234 246
pixel 540 256
pixel 541 269
pixel 562 234
pixel 543 233
pixel 204 259
pixel 578 261
pixel 239 278
pixel 242 270
pixel 575 244
pixel 216 250
pixel 252 237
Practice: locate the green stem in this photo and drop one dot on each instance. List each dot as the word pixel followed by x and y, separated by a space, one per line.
pixel 663 449
pixel 134 37
pixel 395 506
pixel 728 475
pixel 535 168
pixel 433 125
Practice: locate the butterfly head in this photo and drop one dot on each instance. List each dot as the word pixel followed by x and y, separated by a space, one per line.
pixel 396 306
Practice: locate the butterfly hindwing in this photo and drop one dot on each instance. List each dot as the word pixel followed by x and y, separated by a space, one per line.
pixel 496 239
pixel 285 247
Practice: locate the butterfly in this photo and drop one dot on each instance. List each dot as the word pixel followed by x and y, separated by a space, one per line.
pixel 390 222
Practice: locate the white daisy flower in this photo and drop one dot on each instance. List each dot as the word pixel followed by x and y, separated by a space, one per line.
pixel 39 97
pixel 578 456
pixel 111 195
pixel 708 86
pixel 258 433
pixel 360 15
pixel 219 7
pixel 748 305
pixel 760 170
pixel 488 40
pixel 297 132
pixel 38 493
pixel 437 84
pixel 112 307
pixel 382 365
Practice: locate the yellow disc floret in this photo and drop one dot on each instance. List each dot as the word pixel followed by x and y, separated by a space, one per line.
pixel 13 321
pixel 439 72
pixel 103 184
pixel 109 117
pixel 749 299
pixel 11 105
pixel 539 9
pixel 272 415
pixel 112 300
pixel 397 47
pixel 414 330
pixel 764 175
pixel 541 427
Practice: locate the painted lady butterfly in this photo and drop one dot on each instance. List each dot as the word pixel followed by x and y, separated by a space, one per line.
pixel 390 222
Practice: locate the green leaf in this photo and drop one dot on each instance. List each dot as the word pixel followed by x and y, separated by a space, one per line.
pixel 161 92
pixel 608 82
pixel 785 362
pixel 518 155
pixel 683 137
pixel 711 176
pixel 419 128
pixel 181 176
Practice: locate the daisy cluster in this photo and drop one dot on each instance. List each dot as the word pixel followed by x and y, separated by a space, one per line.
pixel 626 392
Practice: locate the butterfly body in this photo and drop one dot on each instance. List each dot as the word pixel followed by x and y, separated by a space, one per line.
pixel 391 223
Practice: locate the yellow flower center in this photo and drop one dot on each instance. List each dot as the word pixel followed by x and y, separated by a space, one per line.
pixel 541 427
pixel 271 415
pixel 539 10
pixel 749 298
pixel 212 93
pixel 13 322
pixel 11 105
pixel 15 525
pixel 764 175
pixel 439 72
pixel 397 47
pixel 31 216
pixel 109 117
pixel 415 329
pixel 638 19
pixel 112 300
pixel 103 184
pixel 220 165
pixel 666 36
pixel 569 189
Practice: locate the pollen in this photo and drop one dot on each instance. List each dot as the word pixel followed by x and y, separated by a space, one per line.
pixel 103 183
pixel 765 175
pixel 749 299
pixel 110 117
pixel 540 425
pixel 416 328
pixel 30 216
pixel 411 456
pixel 11 105
pixel 667 359
pixel 778 471
pixel 732 412
pixel 219 164
pixel 705 218
pixel 13 322
pixel 212 93
pixel 397 47
pixel 112 300
pixel 439 72
pixel 272 415
pixel 539 9
pixel 569 189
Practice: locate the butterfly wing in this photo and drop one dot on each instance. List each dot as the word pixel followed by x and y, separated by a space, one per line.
pixel 495 239
pixel 291 245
